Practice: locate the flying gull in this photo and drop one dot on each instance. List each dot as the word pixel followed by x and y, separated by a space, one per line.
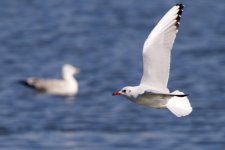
pixel 153 91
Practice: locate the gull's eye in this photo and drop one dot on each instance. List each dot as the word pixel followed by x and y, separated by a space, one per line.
pixel 124 91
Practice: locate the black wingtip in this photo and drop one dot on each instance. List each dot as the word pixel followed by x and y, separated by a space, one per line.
pixel 179 13
pixel 183 95
pixel 180 5
pixel 23 82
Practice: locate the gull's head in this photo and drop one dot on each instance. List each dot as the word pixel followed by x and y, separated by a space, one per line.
pixel 127 91
pixel 69 69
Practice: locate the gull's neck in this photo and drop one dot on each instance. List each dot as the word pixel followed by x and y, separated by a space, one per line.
pixel 71 82
pixel 68 77
pixel 136 90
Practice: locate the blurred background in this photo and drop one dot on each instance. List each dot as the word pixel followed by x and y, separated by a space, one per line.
pixel 104 39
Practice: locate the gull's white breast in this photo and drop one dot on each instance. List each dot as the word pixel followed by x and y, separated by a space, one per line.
pixel 152 100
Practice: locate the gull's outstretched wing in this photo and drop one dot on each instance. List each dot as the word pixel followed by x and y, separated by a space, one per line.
pixel 157 50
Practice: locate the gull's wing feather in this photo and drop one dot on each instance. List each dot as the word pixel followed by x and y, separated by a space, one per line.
pixel 154 92
pixel 45 85
pixel 157 50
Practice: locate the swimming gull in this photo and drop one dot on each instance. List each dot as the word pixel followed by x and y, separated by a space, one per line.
pixel 67 86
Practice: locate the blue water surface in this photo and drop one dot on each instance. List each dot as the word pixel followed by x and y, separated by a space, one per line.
pixel 105 39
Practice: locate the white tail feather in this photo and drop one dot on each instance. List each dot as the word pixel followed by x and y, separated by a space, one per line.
pixel 179 106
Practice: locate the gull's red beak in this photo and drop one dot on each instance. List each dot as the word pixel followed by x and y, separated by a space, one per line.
pixel 116 93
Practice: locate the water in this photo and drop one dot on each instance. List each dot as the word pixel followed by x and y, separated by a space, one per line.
pixel 105 39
